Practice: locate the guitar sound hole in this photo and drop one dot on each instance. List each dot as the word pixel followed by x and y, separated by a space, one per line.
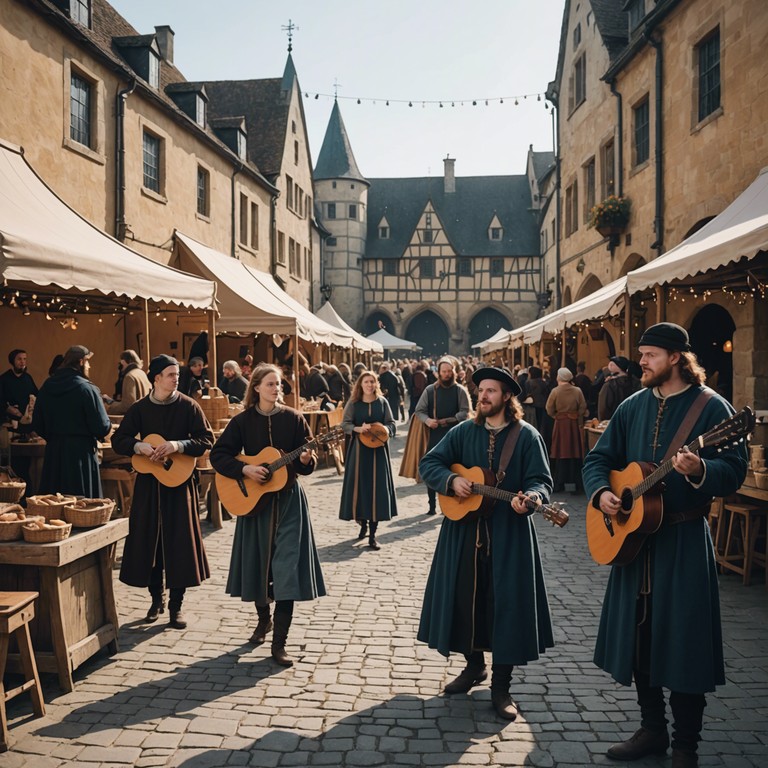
pixel 168 463
pixel 627 501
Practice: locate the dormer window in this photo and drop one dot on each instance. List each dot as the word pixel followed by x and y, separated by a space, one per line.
pixel 383 233
pixel 143 55
pixel 154 70
pixel 495 233
pixel 80 12
pixel 635 13
pixel 242 145
pixel 200 110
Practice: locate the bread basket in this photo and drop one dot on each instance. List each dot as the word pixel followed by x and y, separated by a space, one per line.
pixel 48 535
pixel 10 530
pixel 49 505
pixel 88 513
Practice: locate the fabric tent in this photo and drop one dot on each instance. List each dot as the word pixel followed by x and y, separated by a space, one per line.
pixel 251 304
pixel 740 230
pixel 328 313
pixel 604 301
pixel 499 340
pixel 388 341
pixel 45 242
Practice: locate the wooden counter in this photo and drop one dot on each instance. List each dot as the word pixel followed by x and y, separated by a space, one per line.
pixel 76 612
pixel 751 490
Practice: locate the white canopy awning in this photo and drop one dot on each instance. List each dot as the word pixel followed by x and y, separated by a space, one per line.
pixel 45 242
pixel 740 230
pixel 388 341
pixel 499 340
pixel 606 300
pixel 328 313
pixel 251 301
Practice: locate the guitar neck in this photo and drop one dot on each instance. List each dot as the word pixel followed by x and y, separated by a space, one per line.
pixel 660 473
pixel 289 457
pixel 492 492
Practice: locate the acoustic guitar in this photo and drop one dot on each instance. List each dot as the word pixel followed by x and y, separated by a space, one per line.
pixel 173 472
pixel 485 494
pixel 245 496
pixel 376 436
pixel 616 539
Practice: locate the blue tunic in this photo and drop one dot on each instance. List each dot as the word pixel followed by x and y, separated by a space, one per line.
pixel 368 492
pixel 519 625
pixel 686 641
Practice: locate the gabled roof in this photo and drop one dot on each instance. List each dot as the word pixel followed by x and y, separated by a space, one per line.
pixel 336 160
pixel 543 163
pixel 465 214
pixel 612 23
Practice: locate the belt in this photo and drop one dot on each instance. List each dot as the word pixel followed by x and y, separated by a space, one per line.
pixel 673 518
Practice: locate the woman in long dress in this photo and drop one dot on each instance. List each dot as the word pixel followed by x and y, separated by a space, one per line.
pixel 368 494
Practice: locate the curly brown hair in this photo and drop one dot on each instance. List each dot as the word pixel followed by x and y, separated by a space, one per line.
pixel 513 411
pixel 691 371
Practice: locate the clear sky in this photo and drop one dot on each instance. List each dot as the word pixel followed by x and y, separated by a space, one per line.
pixel 397 50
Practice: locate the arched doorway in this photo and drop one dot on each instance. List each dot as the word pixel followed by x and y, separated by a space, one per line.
pixel 485 323
pixel 373 320
pixel 430 332
pixel 711 335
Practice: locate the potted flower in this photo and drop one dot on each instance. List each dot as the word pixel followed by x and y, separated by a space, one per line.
pixel 611 216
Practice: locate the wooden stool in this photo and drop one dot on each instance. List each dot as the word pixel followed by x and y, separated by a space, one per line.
pixel 717 527
pixel 17 609
pixel 124 480
pixel 740 550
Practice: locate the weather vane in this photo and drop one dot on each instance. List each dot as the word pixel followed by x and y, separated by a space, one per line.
pixel 290 28
pixel 336 86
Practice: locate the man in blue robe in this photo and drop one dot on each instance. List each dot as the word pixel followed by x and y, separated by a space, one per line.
pixel 485 590
pixel 660 622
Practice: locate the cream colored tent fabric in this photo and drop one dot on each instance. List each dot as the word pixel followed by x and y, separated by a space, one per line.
pixel 251 301
pixel 740 230
pixel 388 341
pixel 499 340
pixel 45 242
pixel 606 300
pixel 328 313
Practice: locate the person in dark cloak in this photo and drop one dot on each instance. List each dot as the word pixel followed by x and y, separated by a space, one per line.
pixel 232 382
pixel 164 534
pixel 274 557
pixel 192 378
pixel 70 415
pixel 485 590
pixel 660 622
pixel 368 493
pixel 390 387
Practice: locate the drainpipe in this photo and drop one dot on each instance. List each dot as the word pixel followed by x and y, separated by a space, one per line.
pixel 238 168
pixel 273 235
pixel 658 221
pixel 556 143
pixel 619 139
pixel 120 99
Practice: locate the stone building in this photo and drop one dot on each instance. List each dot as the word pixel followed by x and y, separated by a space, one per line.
pixel 444 262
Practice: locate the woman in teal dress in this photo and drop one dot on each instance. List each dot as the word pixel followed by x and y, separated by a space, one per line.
pixel 368 494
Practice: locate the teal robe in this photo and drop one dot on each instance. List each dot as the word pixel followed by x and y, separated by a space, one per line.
pixel 686 639
pixel 368 492
pixel 517 608
pixel 274 556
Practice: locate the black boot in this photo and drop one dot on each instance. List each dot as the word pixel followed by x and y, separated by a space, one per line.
pixel 176 618
pixel 643 742
pixel 158 604
pixel 688 717
pixel 363 529
pixel 473 674
pixel 432 496
pixel 283 617
pixel 372 543
pixel 501 676
pixel 263 627
pixel 683 759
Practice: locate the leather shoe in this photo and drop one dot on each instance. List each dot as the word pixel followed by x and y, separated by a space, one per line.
pixel 154 611
pixel 363 531
pixel 431 512
pixel 372 543
pixel 643 742
pixel 177 620
pixel 683 759
pixel 260 633
pixel 466 680
pixel 503 704
pixel 280 656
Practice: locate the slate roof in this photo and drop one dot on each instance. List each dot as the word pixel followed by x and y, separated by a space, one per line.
pixel 613 24
pixel 464 215
pixel 336 159
pixel 543 163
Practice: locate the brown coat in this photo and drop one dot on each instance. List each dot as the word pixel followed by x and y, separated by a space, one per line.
pixel 567 406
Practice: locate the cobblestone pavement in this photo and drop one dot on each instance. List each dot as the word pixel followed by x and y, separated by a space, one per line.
pixel 364 692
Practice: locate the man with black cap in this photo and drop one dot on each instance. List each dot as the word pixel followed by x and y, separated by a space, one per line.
pixel 70 415
pixel 164 533
pixel 16 386
pixel 661 614
pixel 621 385
pixel 485 590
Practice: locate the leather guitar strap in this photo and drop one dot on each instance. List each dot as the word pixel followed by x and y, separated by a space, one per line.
pixel 681 436
pixel 507 451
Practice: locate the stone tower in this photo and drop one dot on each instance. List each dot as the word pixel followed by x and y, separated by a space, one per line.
pixel 341 193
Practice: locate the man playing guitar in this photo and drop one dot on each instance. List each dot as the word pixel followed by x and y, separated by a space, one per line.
pixel 660 622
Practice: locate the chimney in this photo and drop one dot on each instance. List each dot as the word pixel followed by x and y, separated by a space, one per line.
pixel 449 181
pixel 164 36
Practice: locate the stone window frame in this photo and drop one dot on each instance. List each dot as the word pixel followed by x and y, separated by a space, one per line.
pixel 96 152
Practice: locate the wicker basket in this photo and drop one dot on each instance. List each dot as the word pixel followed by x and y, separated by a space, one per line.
pixel 52 511
pixel 761 480
pixel 11 530
pixel 12 490
pixel 215 405
pixel 98 512
pixel 35 535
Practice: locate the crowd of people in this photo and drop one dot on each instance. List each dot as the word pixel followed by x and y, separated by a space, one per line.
pixel 485 593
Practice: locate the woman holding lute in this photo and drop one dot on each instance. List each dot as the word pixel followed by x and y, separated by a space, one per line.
pixel 368 494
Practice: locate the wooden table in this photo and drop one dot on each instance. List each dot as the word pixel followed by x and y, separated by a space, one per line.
pixel 76 614
pixel 321 421
pixel 750 489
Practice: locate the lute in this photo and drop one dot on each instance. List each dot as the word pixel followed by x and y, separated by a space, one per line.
pixel 375 437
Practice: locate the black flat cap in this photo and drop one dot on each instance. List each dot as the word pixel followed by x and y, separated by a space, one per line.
pixel 498 374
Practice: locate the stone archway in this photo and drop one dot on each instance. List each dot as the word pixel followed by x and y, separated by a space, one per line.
pixel 711 335
pixel 633 261
pixel 371 324
pixel 485 323
pixel 430 332
pixel 590 285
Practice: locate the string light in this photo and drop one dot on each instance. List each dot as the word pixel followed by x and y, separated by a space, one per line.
pixel 428 102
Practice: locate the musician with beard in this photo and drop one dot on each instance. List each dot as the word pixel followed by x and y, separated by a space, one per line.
pixel 441 406
pixel 660 621
pixel 485 590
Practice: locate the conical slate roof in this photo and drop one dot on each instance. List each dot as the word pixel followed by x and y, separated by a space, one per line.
pixel 336 160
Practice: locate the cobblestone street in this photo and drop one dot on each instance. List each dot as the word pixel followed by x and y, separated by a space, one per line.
pixel 363 691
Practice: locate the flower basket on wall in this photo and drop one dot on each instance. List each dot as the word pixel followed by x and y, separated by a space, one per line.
pixel 611 216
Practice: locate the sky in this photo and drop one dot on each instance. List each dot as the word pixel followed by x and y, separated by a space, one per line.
pixel 421 51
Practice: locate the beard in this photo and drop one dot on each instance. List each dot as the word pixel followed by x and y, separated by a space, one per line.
pixel 449 382
pixel 489 410
pixel 651 380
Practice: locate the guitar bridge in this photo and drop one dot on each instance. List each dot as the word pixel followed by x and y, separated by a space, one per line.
pixel 609 525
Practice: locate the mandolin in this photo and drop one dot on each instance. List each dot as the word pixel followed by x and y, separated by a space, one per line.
pixel 245 496
pixel 616 539
pixel 173 472
pixel 376 436
pixel 485 494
